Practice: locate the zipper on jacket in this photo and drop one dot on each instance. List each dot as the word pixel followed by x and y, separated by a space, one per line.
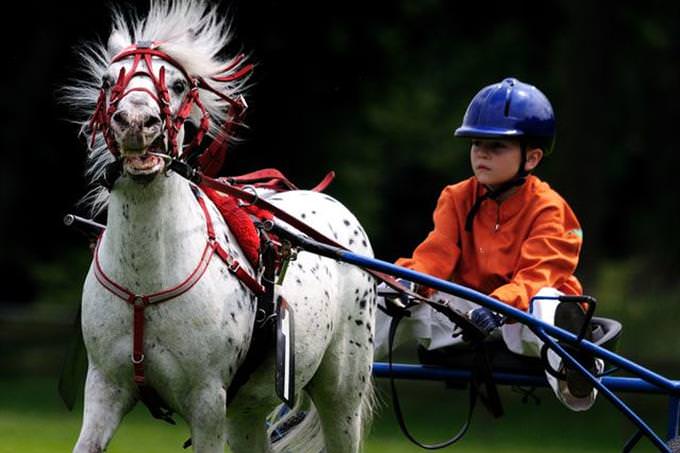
pixel 498 217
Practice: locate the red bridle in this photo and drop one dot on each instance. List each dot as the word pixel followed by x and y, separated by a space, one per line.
pixel 144 51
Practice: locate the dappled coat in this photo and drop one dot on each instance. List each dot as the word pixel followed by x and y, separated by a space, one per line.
pixel 527 242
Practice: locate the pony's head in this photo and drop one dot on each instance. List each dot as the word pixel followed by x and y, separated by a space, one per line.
pixel 153 77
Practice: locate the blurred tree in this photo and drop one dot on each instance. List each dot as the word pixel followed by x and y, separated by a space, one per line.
pixel 374 91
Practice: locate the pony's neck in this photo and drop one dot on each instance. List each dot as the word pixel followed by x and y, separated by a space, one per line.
pixel 154 230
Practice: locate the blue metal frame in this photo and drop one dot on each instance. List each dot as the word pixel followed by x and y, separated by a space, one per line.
pixel 649 382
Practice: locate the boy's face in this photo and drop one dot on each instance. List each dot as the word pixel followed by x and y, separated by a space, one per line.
pixel 495 161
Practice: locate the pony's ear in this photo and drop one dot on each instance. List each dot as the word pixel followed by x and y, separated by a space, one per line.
pixel 117 42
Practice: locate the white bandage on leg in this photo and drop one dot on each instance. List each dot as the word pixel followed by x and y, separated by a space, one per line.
pixel 521 340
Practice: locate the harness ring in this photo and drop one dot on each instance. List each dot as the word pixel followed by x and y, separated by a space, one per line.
pixel 256 196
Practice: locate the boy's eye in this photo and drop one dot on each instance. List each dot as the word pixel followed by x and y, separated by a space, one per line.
pixel 476 142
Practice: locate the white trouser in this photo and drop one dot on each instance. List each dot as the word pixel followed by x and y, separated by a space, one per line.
pixel 433 331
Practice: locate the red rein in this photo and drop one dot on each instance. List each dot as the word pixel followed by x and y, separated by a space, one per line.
pixel 213 157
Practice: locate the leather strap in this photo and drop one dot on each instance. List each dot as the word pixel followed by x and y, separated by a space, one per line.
pixel 253 199
pixel 140 302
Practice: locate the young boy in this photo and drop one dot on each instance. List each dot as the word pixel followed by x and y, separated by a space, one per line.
pixel 505 233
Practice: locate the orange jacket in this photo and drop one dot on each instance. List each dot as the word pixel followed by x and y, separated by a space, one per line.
pixel 527 242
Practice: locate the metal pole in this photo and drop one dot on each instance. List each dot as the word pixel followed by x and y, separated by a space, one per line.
pixel 673 417
pixel 436 373
pixel 672 387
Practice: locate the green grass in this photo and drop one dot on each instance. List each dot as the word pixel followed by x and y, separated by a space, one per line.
pixel 33 420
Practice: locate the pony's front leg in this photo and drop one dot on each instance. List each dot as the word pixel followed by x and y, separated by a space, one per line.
pixel 206 414
pixel 105 405
pixel 246 427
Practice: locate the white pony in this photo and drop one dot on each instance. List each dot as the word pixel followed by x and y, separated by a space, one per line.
pixel 193 344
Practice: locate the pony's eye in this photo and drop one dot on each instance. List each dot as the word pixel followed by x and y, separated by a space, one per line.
pixel 107 81
pixel 179 86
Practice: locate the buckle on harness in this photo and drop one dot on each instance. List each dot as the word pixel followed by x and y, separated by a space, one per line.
pixel 138 301
pixel 234 265
pixel 136 361
pixel 250 188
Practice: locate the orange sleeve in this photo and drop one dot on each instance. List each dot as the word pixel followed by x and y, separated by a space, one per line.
pixel 548 256
pixel 438 254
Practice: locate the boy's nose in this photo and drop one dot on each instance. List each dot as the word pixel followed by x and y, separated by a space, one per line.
pixel 481 151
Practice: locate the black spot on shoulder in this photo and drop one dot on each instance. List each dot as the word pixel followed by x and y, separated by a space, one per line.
pixel 359 322
pixel 346 222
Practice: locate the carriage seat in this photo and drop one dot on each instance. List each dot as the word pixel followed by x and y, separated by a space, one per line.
pixel 606 333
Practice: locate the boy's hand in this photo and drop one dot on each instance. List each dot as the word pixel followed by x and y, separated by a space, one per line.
pixel 485 319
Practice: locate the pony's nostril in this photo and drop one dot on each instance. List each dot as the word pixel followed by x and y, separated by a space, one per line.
pixel 152 121
pixel 122 119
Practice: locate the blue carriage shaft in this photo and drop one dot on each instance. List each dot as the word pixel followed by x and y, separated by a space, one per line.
pixel 647 381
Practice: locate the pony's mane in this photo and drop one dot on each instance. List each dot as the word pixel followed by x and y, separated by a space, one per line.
pixel 192 32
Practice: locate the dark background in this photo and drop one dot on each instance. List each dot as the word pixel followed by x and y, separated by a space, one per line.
pixel 374 90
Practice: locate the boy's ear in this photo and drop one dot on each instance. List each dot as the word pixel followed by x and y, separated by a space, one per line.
pixel 534 156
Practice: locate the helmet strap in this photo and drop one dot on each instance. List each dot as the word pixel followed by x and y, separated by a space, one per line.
pixel 521 172
pixel 498 192
pixel 492 195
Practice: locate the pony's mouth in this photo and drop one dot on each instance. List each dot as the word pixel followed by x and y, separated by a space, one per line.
pixel 145 162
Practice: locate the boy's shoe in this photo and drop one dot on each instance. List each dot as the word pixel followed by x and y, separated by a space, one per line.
pixel 282 430
pixel 571 317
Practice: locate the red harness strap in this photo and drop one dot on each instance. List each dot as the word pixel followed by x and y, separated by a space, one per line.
pixel 140 302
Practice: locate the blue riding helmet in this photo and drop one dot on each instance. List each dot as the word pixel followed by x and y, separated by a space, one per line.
pixel 510 109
